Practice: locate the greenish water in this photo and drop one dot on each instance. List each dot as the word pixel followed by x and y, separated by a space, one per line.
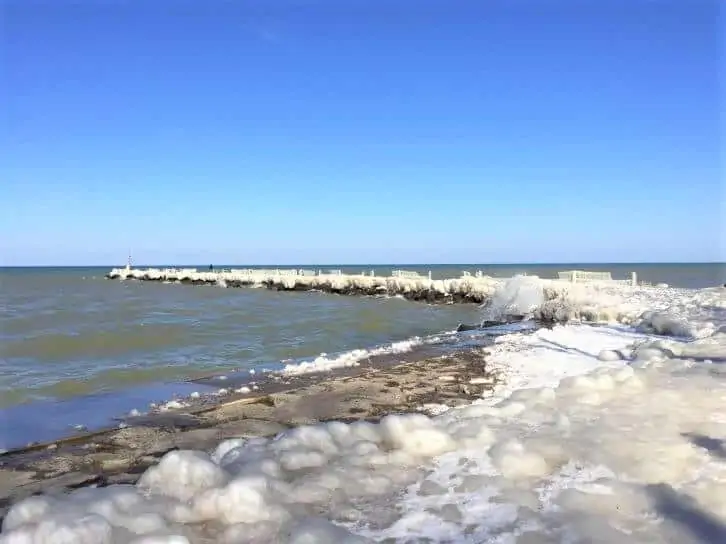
pixel 68 332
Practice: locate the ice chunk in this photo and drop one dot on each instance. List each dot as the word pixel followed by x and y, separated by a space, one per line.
pixel 243 500
pixel 182 475
pixel 415 435
pixel 83 529
pixel 514 461
pixel 609 355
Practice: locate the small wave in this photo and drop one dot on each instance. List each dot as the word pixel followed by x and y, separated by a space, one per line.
pixel 520 295
pixel 450 340
pixel 325 362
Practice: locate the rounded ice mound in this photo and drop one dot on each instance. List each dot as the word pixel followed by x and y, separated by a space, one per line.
pixel 183 474
pixel 555 311
pixel 31 510
pixel 654 351
pixel 666 324
pixel 58 529
pixel 316 438
pixel 608 355
pixel 243 500
pixel 515 462
pixel 415 434
pixel 86 515
pixel 225 447
pixel 321 531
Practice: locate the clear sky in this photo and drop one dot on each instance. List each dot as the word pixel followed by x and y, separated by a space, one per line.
pixel 349 131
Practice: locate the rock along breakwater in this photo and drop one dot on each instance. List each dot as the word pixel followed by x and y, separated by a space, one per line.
pixel 468 288
pixel 407 284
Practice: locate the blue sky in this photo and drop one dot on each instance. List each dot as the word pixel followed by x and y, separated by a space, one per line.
pixel 314 131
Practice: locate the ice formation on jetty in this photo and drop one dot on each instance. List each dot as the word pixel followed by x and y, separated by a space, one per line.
pixel 608 434
pixel 476 288
pixel 408 284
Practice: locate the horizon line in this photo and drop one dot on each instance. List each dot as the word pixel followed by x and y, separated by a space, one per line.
pixel 381 264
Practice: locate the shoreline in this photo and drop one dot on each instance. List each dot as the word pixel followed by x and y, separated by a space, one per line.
pixel 366 393
pixel 27 425
pixel 540 411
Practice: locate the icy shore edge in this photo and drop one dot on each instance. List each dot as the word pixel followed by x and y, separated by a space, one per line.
pixel 614 431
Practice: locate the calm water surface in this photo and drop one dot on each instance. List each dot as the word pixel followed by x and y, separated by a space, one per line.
pixel 70 332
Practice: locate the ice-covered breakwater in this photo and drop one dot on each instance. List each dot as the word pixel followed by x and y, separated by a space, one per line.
pixel 476 288
pixel 410 285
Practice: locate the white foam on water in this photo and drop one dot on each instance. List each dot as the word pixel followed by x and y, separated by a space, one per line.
pixel 520 295
pixel 353 358
pixel 172 405
pixel 600 434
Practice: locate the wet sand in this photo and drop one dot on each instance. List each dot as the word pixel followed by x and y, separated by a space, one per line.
pixel 367 392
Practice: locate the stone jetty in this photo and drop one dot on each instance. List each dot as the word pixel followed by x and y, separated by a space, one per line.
pixel 474 288
pixel 409 284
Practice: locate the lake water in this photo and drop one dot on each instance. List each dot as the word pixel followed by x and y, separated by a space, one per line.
pixel 69 337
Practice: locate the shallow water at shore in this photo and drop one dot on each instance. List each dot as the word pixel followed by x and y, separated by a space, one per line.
pixel 66 333
pixel 51 419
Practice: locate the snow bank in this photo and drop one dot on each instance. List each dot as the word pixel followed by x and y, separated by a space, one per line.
pixel 693 316
pixel 561 302
pixel 654 310
pixel 597 303
pixel 625 453
pixel 542 359
pixel 670 324
pixel 601 434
